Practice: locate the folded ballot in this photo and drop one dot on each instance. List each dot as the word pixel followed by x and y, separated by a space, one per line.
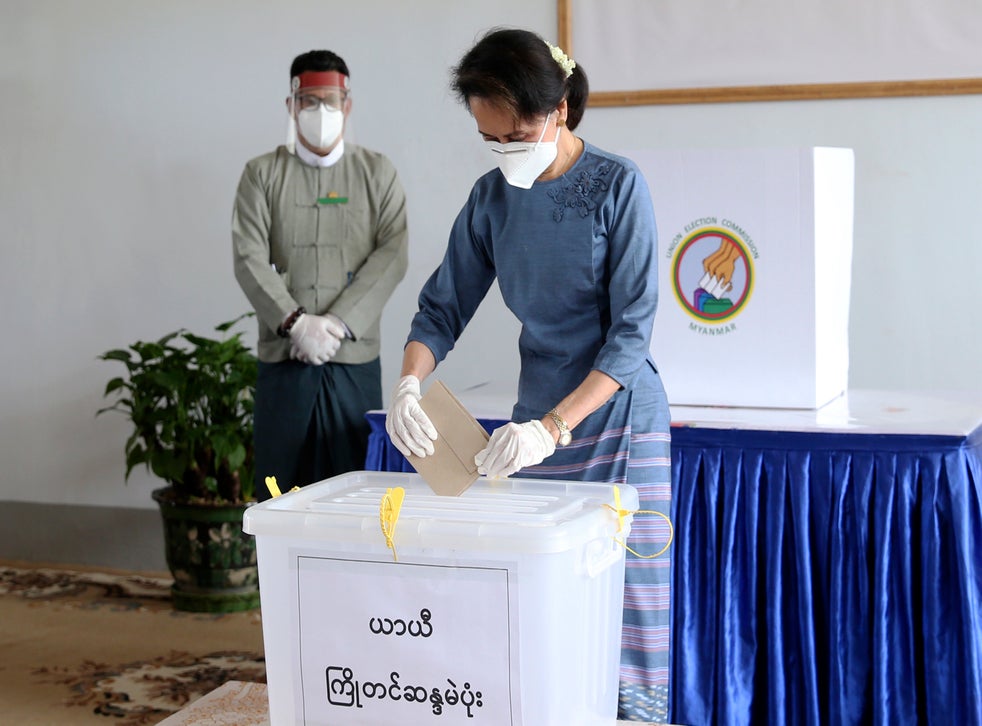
pixel 450 469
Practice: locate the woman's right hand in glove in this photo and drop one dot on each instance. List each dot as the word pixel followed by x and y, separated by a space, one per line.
pixel 409 428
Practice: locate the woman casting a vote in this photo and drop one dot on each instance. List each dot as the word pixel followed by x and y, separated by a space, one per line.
pixel 568 230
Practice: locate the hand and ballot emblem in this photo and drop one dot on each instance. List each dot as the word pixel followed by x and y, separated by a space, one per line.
pixel 712 274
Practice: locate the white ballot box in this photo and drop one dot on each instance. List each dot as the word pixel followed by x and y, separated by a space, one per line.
pixel 501 606
pixel 755 254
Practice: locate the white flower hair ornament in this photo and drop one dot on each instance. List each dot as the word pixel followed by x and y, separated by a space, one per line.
pixel 564 61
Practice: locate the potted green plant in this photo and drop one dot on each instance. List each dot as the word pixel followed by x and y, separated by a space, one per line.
pixel 190 400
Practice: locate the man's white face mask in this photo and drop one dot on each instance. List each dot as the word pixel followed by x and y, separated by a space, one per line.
pixel 320 126
pixel 522 162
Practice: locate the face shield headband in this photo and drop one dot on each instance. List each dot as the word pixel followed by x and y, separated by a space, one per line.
pixel 312 79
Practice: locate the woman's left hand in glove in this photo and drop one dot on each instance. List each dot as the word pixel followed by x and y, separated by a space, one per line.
pixel 513 447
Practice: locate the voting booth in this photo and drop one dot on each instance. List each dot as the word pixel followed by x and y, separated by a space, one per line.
pixel 755 253
pixel 501 606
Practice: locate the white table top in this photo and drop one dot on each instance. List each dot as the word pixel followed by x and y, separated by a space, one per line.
pixel 946 413
pixel 952 413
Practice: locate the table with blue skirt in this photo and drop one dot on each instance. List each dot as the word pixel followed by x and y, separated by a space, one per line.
pixel 826 565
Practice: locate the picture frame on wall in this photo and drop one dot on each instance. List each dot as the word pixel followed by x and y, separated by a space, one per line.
pixel 642 52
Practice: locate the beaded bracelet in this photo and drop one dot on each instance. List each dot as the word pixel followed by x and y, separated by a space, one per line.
pixel 284 330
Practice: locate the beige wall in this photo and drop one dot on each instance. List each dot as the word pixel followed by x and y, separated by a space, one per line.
pixel 124 126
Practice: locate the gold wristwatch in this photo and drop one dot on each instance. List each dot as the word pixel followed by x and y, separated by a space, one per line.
pixel 565 437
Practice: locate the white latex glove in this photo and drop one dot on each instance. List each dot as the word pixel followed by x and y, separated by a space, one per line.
pixel 345 331
pixel 315 338
pixel 408 425
pixel 513 447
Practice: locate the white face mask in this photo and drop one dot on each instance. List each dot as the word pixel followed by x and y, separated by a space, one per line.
pixel 522 162
pixel 320 126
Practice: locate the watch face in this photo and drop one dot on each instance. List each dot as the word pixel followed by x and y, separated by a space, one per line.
pixel 564 438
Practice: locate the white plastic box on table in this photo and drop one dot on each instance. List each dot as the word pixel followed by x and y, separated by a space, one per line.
pixel 502 606
pixel 755 259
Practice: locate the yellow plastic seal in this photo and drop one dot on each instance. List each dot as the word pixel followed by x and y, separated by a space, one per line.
pixel 621 513
pixel 274 488
pixel 388 514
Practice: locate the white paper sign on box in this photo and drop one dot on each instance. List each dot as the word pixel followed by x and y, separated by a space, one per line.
pixel 755 260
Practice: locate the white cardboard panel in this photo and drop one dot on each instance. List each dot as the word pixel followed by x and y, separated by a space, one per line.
pixel 770 327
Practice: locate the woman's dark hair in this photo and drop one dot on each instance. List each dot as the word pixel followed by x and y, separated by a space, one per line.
pixel 318 60
pixel 515 70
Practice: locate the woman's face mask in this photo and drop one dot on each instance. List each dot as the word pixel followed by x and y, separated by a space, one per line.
pixel 522 162
pixel 320 126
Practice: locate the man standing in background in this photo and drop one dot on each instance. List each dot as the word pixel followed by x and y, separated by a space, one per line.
pixel 320 242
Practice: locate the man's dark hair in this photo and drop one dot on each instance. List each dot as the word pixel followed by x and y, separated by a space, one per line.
pixel 318 60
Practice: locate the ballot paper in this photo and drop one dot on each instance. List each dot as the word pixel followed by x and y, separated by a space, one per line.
pixel 450 469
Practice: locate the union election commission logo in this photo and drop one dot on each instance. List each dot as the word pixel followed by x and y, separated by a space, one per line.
pixel 712 270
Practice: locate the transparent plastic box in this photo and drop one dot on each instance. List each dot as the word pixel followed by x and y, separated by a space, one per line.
pixel 500 606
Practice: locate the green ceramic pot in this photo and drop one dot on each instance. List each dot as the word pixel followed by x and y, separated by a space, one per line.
pixel 212 560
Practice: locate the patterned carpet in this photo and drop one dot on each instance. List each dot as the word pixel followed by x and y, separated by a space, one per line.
pixel 83 647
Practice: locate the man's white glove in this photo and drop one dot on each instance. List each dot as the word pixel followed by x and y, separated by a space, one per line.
pixel 408 425
pixel 513 447
pixel 315 338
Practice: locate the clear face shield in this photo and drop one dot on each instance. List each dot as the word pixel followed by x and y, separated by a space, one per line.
pixel 317 105
pixel 331 98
